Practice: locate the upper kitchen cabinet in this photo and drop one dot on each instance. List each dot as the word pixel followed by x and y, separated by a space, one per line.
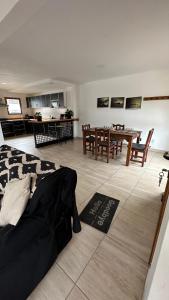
pixel 61 99
pixel 45 100
pixel 34 102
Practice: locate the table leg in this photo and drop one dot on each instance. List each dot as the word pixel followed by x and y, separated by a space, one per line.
pixel 84 146
pixel 138 139
pixel 129 152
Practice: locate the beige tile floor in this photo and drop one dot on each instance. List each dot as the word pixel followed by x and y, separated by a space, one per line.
pixel 94 265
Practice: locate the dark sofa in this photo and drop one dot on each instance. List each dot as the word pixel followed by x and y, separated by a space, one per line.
pixel 28 250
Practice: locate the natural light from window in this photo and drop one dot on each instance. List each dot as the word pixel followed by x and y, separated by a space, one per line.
pixel 14 106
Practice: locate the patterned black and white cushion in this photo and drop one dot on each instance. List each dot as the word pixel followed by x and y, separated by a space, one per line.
pixel 16 164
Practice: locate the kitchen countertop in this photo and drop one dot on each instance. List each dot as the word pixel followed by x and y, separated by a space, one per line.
pixel 16 120
pixel 13 120
pixel 52 121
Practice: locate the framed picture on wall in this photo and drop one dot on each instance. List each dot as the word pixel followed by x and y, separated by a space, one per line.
pixel 133 102
pixel 117 102
pixel 103 102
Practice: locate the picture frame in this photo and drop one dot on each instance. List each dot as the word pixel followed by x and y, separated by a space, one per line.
pixel 117 102
pixel 103 102
pixel 133 102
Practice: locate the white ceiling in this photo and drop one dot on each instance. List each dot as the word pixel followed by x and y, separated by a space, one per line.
pixel 6 6
pixel 59 42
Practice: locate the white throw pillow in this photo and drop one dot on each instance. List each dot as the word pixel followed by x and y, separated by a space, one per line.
pixel 14 201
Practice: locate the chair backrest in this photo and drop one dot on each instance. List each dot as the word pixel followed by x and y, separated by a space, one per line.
pixel 85 127
pixel 102 135
pixel 86 130
pixel 150 134
pixel 118 126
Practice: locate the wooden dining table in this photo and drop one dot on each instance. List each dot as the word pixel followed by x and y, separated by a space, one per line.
pixel 128 135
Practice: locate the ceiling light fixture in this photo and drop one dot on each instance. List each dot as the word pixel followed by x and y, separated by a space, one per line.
pixel 3 82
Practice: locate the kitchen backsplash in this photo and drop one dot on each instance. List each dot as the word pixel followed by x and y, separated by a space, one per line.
pixel 48 112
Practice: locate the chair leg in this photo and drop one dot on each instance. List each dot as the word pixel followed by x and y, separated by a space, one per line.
pixel 117 148
pixel 136 153
pixel 92 147
pixel 143 159
pixel 146 155
pixel 108 152
pixel 84 147
pixel 96 151
pixel 113 153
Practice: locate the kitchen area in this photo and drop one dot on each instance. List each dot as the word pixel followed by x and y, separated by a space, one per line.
pixel 47 117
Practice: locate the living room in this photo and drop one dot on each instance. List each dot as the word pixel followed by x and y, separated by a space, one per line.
pixel 84 103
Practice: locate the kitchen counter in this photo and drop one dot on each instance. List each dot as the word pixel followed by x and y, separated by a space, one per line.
pixel 16 120
pixel 53 121
pixel 52 131
pixel 12 127
pixel 13 120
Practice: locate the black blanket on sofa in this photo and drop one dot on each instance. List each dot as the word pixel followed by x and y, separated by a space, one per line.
pixel 28 250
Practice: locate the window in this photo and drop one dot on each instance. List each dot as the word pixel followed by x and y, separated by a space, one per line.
pixel 14 106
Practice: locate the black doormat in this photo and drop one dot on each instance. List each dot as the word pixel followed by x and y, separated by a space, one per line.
pixel 99 212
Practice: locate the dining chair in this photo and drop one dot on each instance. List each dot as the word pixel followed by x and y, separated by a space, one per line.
pixel 119 142
pixel 142 148
pixel 103 144
pixel 118 126
pixel 88 139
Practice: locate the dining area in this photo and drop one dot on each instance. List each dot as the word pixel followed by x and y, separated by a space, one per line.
pixel 108 143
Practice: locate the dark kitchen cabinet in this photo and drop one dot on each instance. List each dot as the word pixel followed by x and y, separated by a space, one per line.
pixel 19 127
pixel 48 100
pixel 11 128
pixel 45 100
pixel 61 99
pixel 7 128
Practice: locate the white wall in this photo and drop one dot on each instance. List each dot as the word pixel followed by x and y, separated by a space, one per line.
pixel 4 111
pixel 152 114
pixel 72 100
pixel 157 286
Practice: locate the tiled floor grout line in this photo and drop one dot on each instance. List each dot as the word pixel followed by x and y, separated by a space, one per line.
pixel 63 270
pixel 80 290
pixel 82 270
pixel 102 181
pixel 91 257
pixel 103 236
pixel 116 242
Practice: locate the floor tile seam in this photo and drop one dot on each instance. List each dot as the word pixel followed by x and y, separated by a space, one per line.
pixel 58 265
pixel 149 175
pixel 156 201
pixel 122 208
pixel 149 187
pixel 100 185
pixel 148 220
pixel 91 258
pixel 75 281
pixel 134 186
pixel 115 241
pixel 79 289
pixel 90 195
